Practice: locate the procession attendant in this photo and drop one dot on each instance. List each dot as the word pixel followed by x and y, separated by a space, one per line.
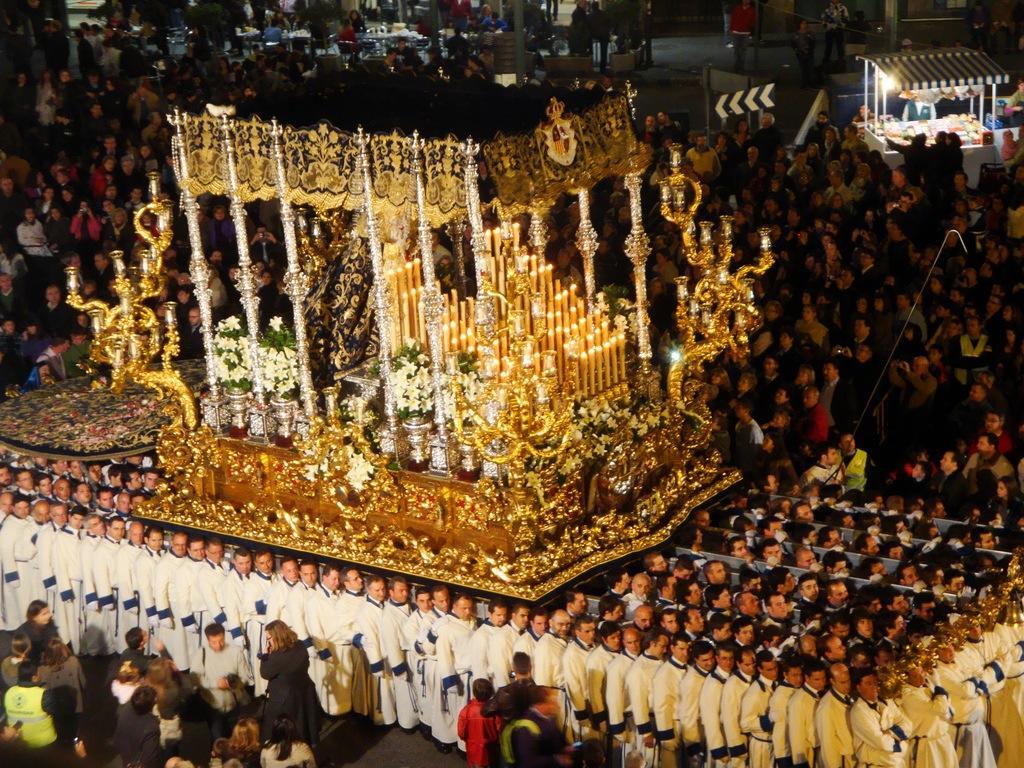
pixel 453 635
pixel 403 680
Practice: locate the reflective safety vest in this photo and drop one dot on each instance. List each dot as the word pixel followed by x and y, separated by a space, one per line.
pixel 856 471
pixel 508 757
pixel 967 349
pixel 24 704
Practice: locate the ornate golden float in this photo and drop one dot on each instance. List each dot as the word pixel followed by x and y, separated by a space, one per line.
pixel 511 432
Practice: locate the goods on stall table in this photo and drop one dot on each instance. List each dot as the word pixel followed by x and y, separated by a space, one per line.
pixel 971 131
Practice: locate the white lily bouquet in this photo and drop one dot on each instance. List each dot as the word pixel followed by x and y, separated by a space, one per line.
pixel 278 361
pixel 231 353
pixel 411 381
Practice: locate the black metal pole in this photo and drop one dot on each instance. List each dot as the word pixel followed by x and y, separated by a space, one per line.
pixel 518 21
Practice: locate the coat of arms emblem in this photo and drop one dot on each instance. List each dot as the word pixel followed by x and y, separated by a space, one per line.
pixel 559 135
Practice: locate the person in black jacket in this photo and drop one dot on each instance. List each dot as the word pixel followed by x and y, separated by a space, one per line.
pixel 285 667
pixel 39 627
pixel 137 735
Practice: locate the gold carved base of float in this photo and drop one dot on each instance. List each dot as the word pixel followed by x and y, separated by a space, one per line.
pixel 478 536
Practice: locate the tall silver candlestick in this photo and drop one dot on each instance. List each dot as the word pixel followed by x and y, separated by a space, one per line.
pixel 433 309
pixel 246 283
pixel 199 270
pixel 586 242
pixel 485 309
pixel 296 281
pixel 382 297
pixel 638 248
pixel 538 234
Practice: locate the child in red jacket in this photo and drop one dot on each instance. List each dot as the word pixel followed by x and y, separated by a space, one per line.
pixel 480 731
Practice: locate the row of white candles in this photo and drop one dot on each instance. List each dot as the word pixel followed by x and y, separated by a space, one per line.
pixel 551 313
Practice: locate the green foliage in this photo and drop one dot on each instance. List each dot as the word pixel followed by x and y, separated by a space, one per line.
pixel 204 16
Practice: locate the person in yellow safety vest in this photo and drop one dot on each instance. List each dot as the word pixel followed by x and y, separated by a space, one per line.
pixel 855 461
pixel 972 352
pixel 29 710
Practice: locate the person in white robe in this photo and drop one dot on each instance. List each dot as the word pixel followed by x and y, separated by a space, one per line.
pixel 668 731
pixel 126 568
pixel 831 720
pixel 145 583
pixel 370 641
pixel 967 697
pixel 351 603
pixel 754 707
pixel 15 589
pixel 702 655
pixel 717 753
pixel 574 678
pixel 489 641
pixel 792 679
pixel 500 655
pixel 287 601
pixel 105 583
pixel 802 735
pixel 403 680
pixel 95 629
pixel 535 630
pixel 67 569
pixel 235 585
pixel 173 602
pixel 732 697
pixel 44 545
pixel 639 681
pixel 616 697
pixel 256 595
pixel 451 647
pixel 26 551
pixel 210 578
pixel 880 729
pixel 930 714
pixel 321 621
pixel 419 622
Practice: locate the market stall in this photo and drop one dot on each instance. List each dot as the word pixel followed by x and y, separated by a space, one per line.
pixel 926 92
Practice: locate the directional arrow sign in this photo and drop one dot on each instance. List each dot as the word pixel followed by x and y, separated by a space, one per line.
pixel 751 100
pixel 720 106
pixel 734 103
pixel 767 92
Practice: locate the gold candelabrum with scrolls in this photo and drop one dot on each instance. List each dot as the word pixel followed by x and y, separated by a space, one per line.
pixel 718 311
pixel 129 335
pixel 523 409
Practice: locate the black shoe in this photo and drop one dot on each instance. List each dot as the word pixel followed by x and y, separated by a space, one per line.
pixel 445 749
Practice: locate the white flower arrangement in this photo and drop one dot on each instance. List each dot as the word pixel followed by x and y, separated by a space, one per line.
pixel 231 354
pixel 278 361
pixel 411 381
pixel 358 475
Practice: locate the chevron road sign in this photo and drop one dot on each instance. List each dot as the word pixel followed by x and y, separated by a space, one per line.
pixel 742 102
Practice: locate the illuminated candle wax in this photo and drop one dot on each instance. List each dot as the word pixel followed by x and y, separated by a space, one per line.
pixel 170 314
pixel 73 279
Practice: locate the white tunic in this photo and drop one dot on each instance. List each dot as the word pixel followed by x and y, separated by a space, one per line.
pixel 711 718
pixel 616 699
pixel 732 698
pixel 665 704
pixel 208 604
pixel 234 588
pixel 639 681
pixel 128 614
pixel 689 708
pixel 803 738
pixel 597 670
pixel 67 569
pixel 453 676
pixel 500 655
pixel 547 661
pixel 526 643
pixel 574 689
pixel 930 716
pixel 756 723
pixel 44 554
pixel 255 596
pixel 370 641
pixel 777 708
pixel 95 630
pixel 174 606
pixel 26 552
pixel 402 675
pixel 418 624
pixel 104 577
pixel 350 605
pixel 15 587
pixel 874 740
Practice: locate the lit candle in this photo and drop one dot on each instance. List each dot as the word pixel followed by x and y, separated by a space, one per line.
pixel 549 365
pixel 403 310
pixel 96 321
pixel 515 236
pixel 170 314
pixel 145 265
pixel 666 193
pixel 705 234
pixel 766 240
pixel 118 262
pixel 72 277
pixel 528 354
pixel 522 261
pixel 518 323
pixel 452 363
pixel 683 288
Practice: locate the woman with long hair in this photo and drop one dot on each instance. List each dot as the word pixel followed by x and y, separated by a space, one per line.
pixel 61 672
pixel 39 627
pixel 172 691
pixel 285 667
pixel 244 744
pixel 284 748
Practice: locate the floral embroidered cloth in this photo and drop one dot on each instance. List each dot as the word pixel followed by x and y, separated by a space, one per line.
pixel 70 420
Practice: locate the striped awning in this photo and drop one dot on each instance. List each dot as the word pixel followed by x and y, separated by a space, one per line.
pixel 938 68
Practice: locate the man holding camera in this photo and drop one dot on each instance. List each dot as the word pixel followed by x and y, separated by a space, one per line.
pixel 221 673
